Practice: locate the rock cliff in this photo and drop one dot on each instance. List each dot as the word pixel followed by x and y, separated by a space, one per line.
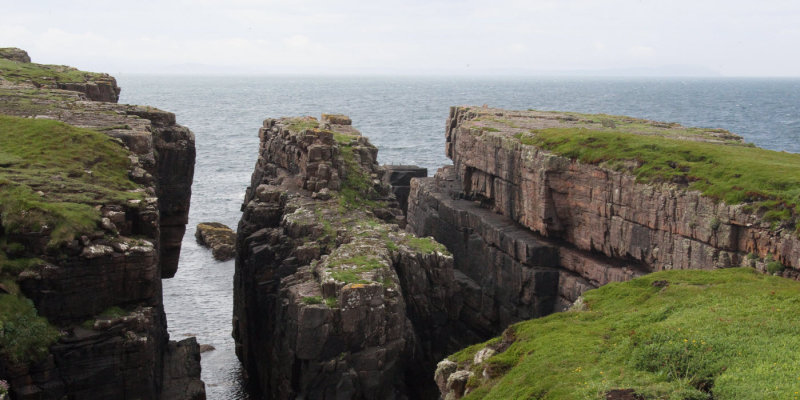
pixel 541 206
pixel 332 298
pixel 88 231
pixel 602 206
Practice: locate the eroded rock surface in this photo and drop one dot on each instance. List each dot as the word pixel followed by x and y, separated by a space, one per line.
pixel 332 298
pixel 103 289
pixel 219 238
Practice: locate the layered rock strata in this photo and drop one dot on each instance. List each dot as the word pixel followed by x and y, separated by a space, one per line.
pixel 332 298
pixel 103 289
pixel 507 209
pixel 600 209
pixel 506 272
pixel 599 222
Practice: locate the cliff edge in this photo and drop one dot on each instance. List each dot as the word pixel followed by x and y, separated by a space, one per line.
pixel 94 200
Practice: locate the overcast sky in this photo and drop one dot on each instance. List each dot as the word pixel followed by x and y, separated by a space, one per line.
pixel 729 38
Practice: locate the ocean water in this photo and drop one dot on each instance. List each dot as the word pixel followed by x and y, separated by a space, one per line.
pixel 405 117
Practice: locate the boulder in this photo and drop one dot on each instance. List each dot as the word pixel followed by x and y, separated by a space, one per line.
pixel 219 238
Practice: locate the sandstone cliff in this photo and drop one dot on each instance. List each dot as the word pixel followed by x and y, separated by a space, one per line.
pixel 93 213
pixel 541 206
pixel 332 298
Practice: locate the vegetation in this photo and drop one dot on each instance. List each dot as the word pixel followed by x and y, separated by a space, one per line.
pixel 43 75
pixel 357 190
pixel 349 270
pixel 302 124
pixel 768 181
pixel 53 174
pixel 683 334
pixel 312 300
pixel 426 245
pixel 24 336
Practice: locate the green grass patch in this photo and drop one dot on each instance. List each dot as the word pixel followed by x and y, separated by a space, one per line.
pixel 332 302
pixel 730 334
pixel 302 124
pixel 24 336
pixel 73 168
pixel 312 300
pixel 42 74
pixel 733 173
pixel 426 245
pixel 349 270
pixel 357 190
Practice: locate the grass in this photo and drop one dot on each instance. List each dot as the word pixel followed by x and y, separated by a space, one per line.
pixel 357 190
pixel 426 245
pixel 767 180
pixel 302 124
pixel 25 337
pixel 349 270
pixel 729 333
pixel 312 300
pixel 73 168
pixel 41 74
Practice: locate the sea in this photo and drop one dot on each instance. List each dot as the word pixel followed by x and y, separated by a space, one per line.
pixel 405 118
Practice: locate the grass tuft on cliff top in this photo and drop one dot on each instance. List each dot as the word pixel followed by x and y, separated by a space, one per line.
pixel 43 74
pixel 72 169
pixel 769 181
pixel 688 334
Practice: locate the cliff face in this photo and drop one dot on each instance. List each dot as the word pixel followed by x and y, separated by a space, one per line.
pixel 604 210
pixel 541 206
pixel 99 283
pixel 331 300
pixel 507 209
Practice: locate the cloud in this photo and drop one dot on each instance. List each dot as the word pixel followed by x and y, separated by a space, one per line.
pixel 641 52
pixel 296 41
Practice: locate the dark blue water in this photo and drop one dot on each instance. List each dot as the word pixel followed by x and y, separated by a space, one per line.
pixel 405 118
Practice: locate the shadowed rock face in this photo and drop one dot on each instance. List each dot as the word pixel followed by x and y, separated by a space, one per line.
pixel 331 301
pixel 399 178
pixel 103 290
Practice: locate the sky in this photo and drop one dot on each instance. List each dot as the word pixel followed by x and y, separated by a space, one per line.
pixel 516 37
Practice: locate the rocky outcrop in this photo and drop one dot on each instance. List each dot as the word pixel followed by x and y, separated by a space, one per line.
pixel 95 86
pixel 332 301
pixel 399 178
pixel 163 151
pixel 102 290
pixel 15 54
pixel 219 238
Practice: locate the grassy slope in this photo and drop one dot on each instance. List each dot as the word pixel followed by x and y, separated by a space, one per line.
pixel 43 74
pixel 732 331
pixel 75 168
pixel 736 173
